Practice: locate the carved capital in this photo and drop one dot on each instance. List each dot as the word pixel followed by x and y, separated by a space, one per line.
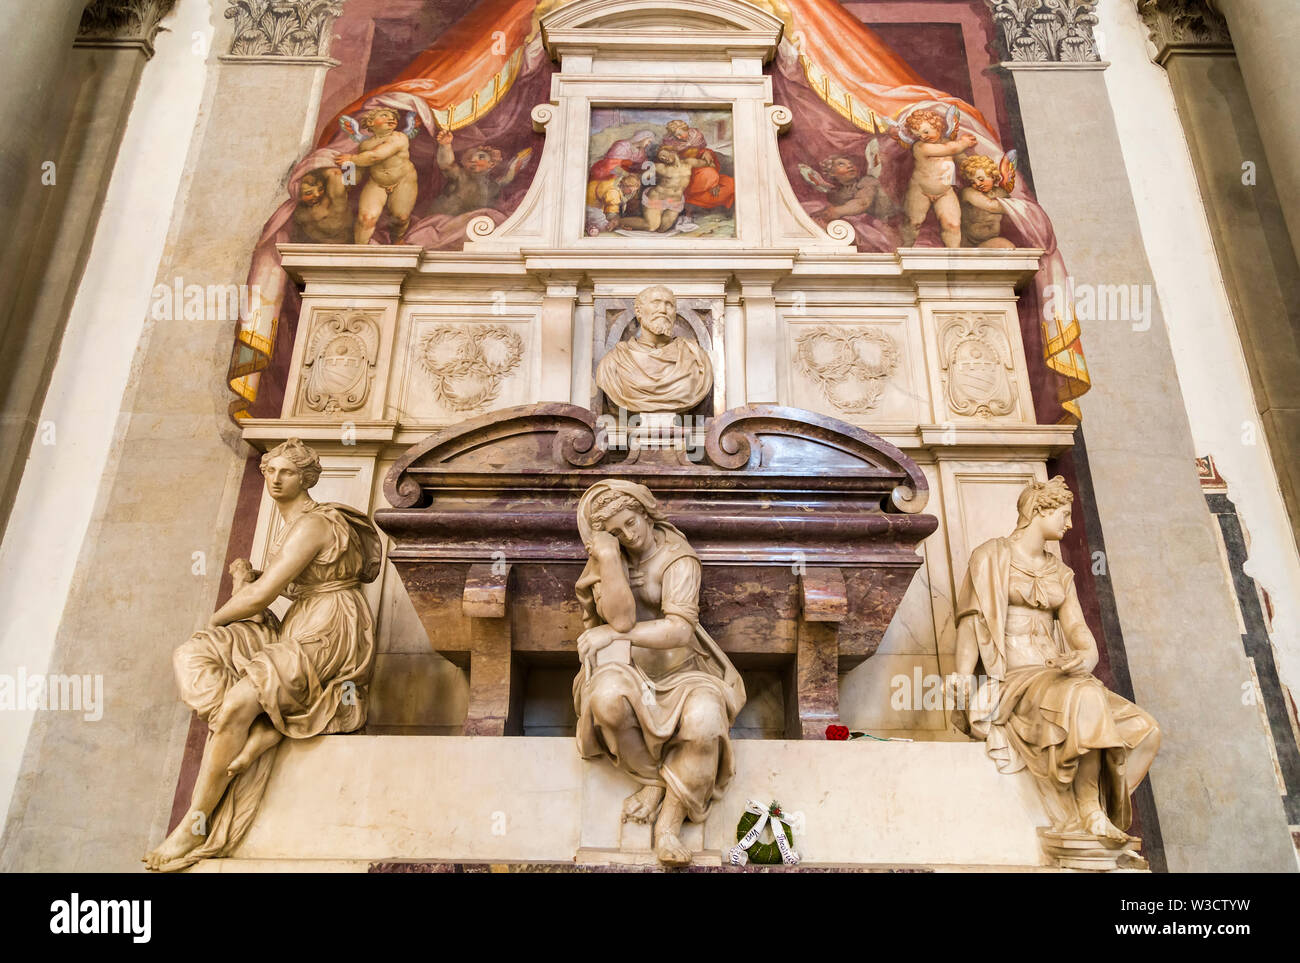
pixel 282 28
pixel 123 23
pixel 1047 31
pixel 1186 26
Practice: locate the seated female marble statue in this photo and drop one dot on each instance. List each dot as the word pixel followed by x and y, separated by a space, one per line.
pixel 255 679
pixel 661 707
pixel 1038 706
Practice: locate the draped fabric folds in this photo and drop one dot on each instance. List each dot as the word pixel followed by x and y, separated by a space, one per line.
pixel 659 701
pixel 846 65
pixel 310 670
pixel 481 78
pixel 1031 715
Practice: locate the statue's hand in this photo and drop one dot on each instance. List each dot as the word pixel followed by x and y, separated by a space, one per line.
pixel 603 546
pixel 1070 664
pixel 241 570
pixel 958 690
pixel 594 639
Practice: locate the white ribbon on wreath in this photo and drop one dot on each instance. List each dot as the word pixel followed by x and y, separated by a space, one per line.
pixel 738 857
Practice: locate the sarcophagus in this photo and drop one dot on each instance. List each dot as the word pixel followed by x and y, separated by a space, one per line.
pixel 807 528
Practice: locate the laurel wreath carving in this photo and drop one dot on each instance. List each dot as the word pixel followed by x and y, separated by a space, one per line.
pixel 834 359
pixel 467 364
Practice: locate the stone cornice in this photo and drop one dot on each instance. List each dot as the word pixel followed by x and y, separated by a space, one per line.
pixel 123 23
pixel 1047 31
pixel 282 29
pixel 1184 26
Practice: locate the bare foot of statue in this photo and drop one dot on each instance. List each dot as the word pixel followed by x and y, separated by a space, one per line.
pixel 670 850
pixel 179 842
pixel 641 806
pixel 668 847
pixel 1101 827
pixel 261 737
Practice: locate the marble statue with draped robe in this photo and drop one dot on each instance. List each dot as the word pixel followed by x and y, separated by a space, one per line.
pixel 255 678
pixel 1037 704
pixel 655 695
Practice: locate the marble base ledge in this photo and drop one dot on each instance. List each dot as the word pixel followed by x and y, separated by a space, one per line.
pixel 416 867
pixel 438 799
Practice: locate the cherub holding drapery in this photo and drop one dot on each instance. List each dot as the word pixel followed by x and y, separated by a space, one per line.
pixel 393 184
pixel 934 140
pixel 981 206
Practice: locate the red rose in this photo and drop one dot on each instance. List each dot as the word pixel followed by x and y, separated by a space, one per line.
pixel 837 733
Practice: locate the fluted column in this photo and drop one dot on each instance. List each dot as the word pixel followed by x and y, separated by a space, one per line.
pixel 1266 35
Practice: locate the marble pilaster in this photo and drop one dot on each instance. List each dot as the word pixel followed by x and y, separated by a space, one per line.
pixel 1266 36
pixel 36 74
pixel 1241 192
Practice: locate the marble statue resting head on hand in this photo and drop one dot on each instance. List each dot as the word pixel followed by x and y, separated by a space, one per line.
pixel 656 310
pixel 290 468
pixel 626 514
pixel 1049 502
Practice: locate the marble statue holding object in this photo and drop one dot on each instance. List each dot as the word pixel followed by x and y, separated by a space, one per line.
pixel 655 371
pixel 255 679
pixel 655 694
pixel 1037 704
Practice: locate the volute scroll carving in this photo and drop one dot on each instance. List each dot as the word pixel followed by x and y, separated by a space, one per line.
pixel 575 443
pixel 735 441
pixel 756 446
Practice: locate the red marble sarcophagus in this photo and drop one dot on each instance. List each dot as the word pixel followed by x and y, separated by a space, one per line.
pixel 807 528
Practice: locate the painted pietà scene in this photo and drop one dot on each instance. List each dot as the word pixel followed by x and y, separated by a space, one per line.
pixel 670 158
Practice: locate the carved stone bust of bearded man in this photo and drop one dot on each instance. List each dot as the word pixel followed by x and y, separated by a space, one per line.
pixel 655 371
